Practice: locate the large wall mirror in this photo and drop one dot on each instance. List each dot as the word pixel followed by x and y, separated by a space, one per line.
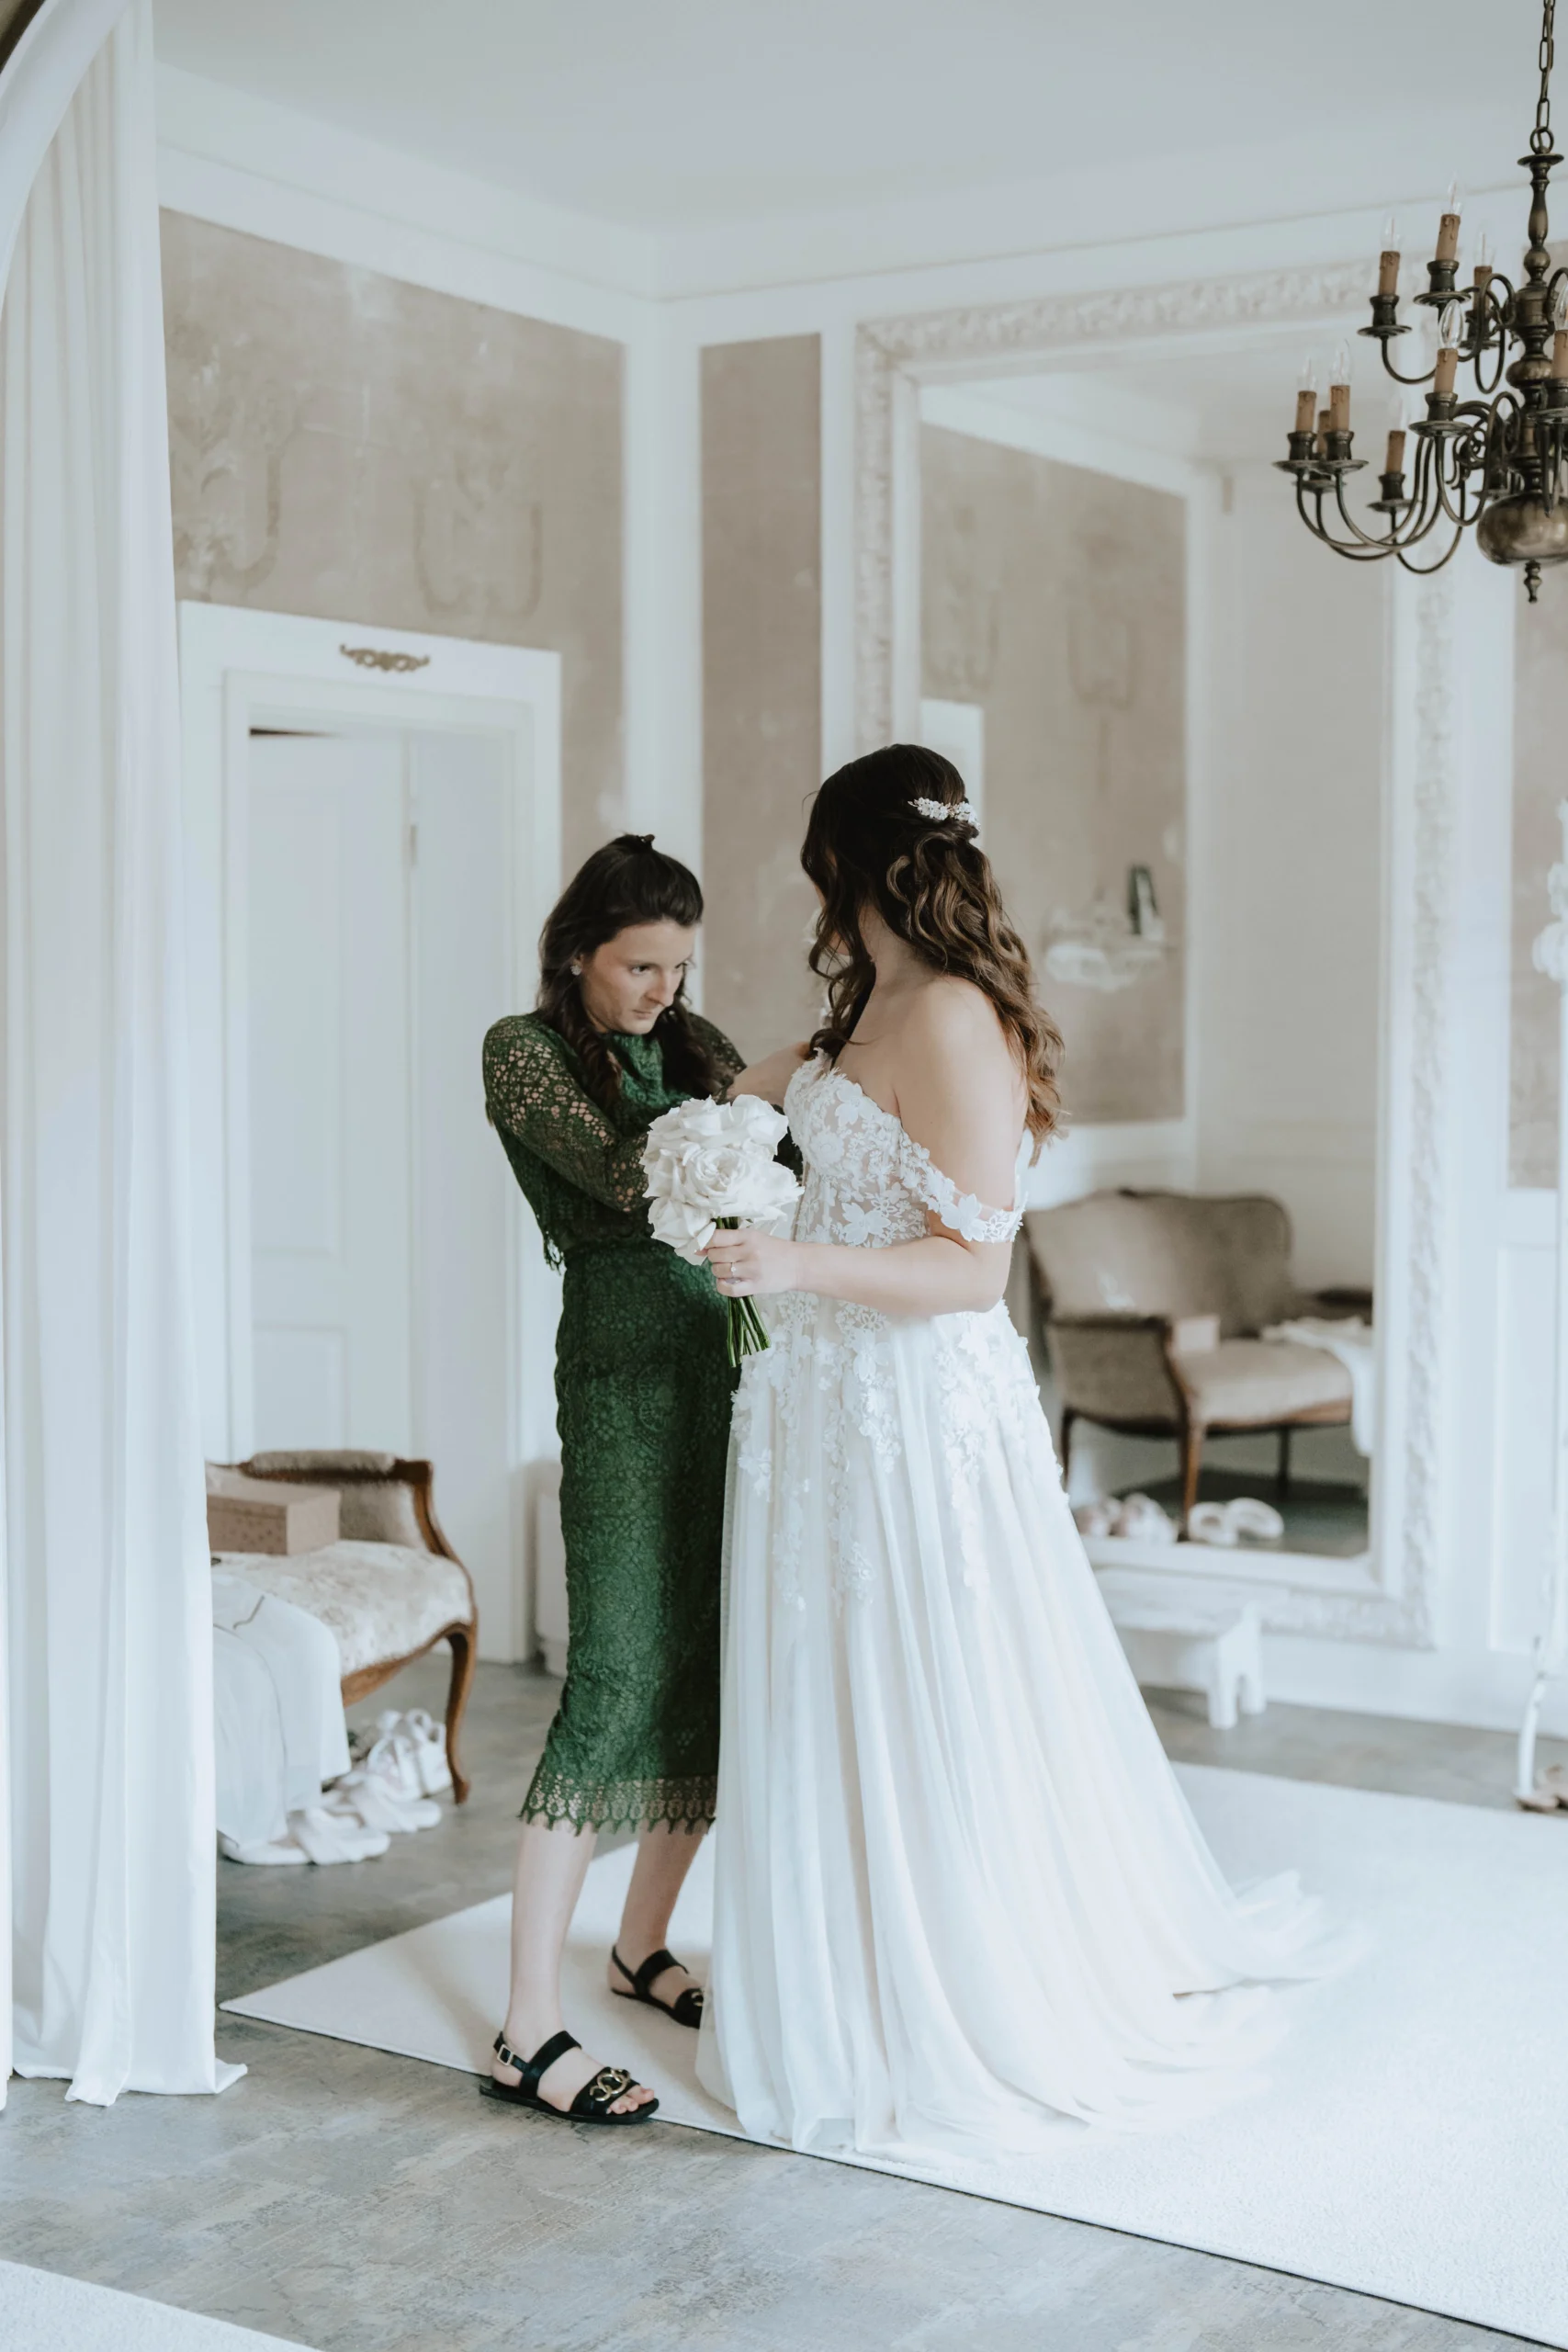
pixel 1085 582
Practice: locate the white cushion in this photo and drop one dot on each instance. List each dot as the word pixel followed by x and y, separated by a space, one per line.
pixel 1263 1379
pixel 378 1600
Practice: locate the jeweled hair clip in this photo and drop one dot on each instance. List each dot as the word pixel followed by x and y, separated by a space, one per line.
pixel 947 812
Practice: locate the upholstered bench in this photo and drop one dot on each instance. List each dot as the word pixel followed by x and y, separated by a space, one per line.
pixel 388 1590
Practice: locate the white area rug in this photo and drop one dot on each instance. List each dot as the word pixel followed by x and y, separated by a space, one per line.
pixel 1413 2142
pixel 41 2311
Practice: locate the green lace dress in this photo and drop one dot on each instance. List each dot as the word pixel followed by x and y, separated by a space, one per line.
pixel 643 1389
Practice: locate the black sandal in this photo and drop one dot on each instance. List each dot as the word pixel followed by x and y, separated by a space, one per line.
pixel 593 2101
pixel 686 2008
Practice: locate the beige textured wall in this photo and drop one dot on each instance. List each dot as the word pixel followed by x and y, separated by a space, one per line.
pixel 349 445
pixel 1056 597
pixel 1540 781
pixel 761 680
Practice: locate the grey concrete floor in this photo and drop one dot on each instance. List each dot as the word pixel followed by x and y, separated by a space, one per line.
pixel 358 2204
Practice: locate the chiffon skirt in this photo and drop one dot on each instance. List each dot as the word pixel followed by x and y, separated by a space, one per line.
pixel 960 1897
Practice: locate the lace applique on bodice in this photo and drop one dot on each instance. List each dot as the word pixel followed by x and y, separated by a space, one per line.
pixel 869 1183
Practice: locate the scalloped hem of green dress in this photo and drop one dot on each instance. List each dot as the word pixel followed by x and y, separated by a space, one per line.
pixel 623 1805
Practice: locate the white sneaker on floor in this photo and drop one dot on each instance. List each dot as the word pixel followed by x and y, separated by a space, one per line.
pixel 1249 1516
pixel 1094 1518
pixel 1210 1523
pixel 377 1794
pixel 1140 1517
pixel 269 1851
pixel 1226 1523
pixel 420 1744
pixel 335 1836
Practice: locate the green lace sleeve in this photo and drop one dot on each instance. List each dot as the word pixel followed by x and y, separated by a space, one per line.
pixel 532 1095
pixel 726 1060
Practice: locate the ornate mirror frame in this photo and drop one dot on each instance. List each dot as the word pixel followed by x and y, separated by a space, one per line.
pixel 1388 1595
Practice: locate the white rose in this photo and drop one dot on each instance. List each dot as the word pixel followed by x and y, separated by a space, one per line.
pixel 766 1191
pixel 760 1122
pixel 711 1175
pixel 685 1230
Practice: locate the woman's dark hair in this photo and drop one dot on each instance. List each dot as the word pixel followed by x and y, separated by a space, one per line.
pixel 868 844
pixel 628 881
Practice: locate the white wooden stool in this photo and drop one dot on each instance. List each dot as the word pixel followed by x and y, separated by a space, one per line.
pixel 1171 1646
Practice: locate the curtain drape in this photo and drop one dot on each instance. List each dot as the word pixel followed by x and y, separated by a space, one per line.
pixel 108 1616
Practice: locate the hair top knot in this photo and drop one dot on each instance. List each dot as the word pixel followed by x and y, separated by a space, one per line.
pixel 948 812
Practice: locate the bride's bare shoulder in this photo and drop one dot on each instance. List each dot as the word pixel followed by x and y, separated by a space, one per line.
pixel 951 1018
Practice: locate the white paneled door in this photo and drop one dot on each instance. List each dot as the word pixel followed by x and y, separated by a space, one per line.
pixel 377 952
pixel 331 1267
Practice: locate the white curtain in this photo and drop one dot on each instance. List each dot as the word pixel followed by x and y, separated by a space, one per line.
pixel 108 1618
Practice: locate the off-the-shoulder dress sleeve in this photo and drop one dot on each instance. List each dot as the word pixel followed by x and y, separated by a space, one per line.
pixel 532 1095
pixel 961 1211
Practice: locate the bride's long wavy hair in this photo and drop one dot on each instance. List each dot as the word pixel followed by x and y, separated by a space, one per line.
pixel 867 844
pixel 628 881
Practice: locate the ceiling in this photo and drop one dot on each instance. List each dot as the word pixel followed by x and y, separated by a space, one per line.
pixel 692 113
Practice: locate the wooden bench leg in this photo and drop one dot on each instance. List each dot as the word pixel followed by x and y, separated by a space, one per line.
pixel 1192 1435
pixel 1068 1417
pixel 461 1639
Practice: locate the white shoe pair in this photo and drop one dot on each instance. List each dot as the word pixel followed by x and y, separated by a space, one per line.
pixel 378 1792
pixel 1138 1517
pixel 314 1835
pixel 419 1744
pixel 1226 1523
pixel 1551 1792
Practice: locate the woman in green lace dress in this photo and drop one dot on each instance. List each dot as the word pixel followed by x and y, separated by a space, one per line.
pixel 643 1389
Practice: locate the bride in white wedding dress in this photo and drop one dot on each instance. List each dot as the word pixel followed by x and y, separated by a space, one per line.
pixel 959 1895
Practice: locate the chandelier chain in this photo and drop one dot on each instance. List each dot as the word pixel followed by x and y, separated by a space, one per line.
pixel 1540 137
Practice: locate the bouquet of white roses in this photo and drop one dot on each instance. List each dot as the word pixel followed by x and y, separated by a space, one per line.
pixel 712 1164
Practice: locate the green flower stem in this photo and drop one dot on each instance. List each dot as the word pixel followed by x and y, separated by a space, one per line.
pixel 745 1333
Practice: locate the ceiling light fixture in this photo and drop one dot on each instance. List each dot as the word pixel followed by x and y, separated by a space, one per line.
pixel 1497 463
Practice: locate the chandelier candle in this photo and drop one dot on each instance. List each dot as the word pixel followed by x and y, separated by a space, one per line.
pixel 1493 458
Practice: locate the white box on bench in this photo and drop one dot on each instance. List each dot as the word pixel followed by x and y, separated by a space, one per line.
pixel 262 1515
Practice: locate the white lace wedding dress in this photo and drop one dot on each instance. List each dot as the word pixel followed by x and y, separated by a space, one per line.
pixel 959 1895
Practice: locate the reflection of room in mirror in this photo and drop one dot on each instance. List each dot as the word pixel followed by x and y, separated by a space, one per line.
pixel 1053 599
pixel 1106 580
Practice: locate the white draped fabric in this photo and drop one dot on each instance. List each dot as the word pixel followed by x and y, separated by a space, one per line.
pixel 958 1894
pixel 107 1617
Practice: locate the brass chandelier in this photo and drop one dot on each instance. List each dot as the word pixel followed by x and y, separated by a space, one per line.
pixel 1498 461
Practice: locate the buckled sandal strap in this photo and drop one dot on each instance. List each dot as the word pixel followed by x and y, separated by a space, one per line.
pixel 602 2090
pixel 544 2058
pixel 652 1968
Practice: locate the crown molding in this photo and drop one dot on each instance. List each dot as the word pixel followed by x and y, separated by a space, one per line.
pixel 245 164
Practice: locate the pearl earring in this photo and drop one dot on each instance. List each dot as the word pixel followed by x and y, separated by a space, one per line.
pixel 577 971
